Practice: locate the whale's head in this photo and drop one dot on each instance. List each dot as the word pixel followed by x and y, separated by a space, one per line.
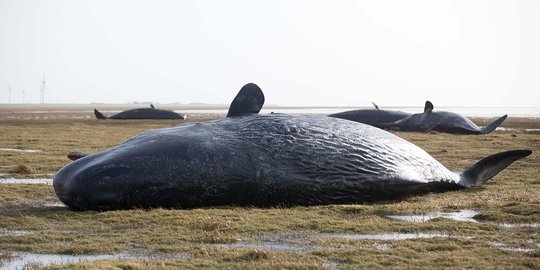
pixel 112 179
pixel 455 123
pixel 153 168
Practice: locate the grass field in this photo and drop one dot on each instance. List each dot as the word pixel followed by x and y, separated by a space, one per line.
pixel 504 236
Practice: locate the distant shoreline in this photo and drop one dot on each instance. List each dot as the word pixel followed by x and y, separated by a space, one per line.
pixel 221 109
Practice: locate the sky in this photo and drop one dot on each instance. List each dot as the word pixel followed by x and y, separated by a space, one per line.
pixel 304 53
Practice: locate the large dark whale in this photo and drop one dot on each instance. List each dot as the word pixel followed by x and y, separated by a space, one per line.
pixel 441 121
pixel 261 160
pixel 142 113
pixel 373 117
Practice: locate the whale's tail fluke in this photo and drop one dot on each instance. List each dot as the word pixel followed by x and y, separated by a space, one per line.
pixel 491 127
pixel 490 166
pixel 99 115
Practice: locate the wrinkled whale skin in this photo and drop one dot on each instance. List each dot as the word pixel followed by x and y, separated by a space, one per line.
pixel 259 160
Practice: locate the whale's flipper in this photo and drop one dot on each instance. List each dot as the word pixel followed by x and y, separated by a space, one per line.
pixel 375 105
pixel 99 115
pixel 249 100
pixel 431 128
pixel 428 107
pixel 495 124
pixel 490 166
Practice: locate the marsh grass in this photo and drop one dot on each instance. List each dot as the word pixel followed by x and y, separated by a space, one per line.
pixel 513 196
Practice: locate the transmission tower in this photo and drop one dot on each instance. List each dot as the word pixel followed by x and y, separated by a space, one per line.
pixel 43 89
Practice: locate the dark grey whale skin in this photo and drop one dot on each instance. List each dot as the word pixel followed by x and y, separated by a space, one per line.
pixel 372 117
pixel 143 113
pixel 252 160
pixel 261 160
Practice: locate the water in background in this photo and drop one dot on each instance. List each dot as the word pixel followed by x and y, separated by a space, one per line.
pixel 467 111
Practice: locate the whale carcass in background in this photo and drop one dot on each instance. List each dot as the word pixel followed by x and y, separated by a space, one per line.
pixel 142 113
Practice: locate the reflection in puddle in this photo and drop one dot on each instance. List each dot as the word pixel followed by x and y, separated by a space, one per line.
pixel 463 215
pixel 22 260
pixel 20 150
pixel 46 181
pixel 386 236
pixel 519 225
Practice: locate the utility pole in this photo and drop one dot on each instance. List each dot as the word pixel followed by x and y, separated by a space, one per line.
pixel 23 96
pixel 9 94
pixel 43 89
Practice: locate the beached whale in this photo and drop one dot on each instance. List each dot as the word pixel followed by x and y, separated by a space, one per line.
pixel 373 117
pixel 261 160
pixel 441 121
pixel 142 113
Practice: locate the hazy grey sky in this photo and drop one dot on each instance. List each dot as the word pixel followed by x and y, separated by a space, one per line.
pixel 455 53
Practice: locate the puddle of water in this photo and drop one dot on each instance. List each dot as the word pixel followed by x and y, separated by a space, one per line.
pixel 46 181
pixel 462 215
pixel 20 150
pixel 265 245
pixel 300 241
pixel 386 236
pixel 504 246
pixel 22 260
pixel 58 204
pixel 4 232
pixel 519 225
pixel 330 265
pixel 514 129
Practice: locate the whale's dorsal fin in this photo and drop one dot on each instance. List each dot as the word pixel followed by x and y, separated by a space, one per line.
pixel 428 107
pixel 152 106
pixel 99 115
pixel 249 100
pixel 375 105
